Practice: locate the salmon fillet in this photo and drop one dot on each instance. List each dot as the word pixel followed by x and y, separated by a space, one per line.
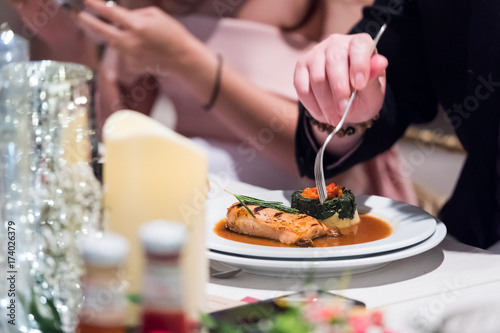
pixel 291 229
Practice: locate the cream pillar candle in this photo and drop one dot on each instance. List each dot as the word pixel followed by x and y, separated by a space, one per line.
pixel 152 172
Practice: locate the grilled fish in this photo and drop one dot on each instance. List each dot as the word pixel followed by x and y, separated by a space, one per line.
pixel 291 229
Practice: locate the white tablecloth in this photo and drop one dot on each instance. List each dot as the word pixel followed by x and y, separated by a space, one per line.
pixel 412 292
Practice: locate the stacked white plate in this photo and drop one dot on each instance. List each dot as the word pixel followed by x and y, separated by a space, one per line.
pixel 414 231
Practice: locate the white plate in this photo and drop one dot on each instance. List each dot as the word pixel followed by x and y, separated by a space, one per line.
pixel 327 267
pixel 410 225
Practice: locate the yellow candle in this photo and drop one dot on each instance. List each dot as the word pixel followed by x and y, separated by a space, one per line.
pixel 75 137
pixel 151 172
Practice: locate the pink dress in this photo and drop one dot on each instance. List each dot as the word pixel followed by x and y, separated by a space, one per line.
pixel 267 57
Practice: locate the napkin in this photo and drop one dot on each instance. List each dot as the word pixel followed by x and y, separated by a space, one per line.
pixel 152 172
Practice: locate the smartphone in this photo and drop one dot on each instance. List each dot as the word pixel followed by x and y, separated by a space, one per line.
pixel 247 317
pixel 76 5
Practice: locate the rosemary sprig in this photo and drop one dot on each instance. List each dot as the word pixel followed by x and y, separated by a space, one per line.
pixel 278 205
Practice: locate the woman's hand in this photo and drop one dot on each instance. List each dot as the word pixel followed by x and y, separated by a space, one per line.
pixel 148 40
pixel 326 76
pixel 58 37
pixel 47 20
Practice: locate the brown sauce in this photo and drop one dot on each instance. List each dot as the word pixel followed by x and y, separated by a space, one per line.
pixel 370 229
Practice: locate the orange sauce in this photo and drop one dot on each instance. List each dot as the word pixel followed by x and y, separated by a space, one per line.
pixel 370 229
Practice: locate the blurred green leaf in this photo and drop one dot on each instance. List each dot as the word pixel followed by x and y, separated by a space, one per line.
pixel 134 298
pixel 290 321
pixel 45 313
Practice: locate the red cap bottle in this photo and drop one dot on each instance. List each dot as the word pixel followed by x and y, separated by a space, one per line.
pixel 161 298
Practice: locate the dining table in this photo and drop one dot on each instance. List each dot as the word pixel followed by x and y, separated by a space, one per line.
pixel 449 284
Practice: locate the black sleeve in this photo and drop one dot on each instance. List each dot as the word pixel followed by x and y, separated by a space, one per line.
pixel 409 96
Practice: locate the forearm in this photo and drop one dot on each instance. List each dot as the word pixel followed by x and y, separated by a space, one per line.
pixel 258 117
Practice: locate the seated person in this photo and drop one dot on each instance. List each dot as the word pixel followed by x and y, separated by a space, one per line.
pixel 251 109
pixel 431 57
pixel 250 126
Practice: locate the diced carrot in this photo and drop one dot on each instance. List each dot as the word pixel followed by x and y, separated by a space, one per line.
pixel 332 191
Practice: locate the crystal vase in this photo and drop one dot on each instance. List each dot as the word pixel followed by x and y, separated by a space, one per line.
pixel 50 197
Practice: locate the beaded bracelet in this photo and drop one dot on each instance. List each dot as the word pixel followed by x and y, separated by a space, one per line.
pixel 349 130
pixel 215 91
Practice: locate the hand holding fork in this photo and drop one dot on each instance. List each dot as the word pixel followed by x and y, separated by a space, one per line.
pixel 357 69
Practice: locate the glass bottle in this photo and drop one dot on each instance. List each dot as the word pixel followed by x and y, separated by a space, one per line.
pixel 104 288
pixel 161 298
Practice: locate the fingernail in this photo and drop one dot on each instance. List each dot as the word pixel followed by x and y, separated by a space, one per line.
pixel 359 79
pixel 343 104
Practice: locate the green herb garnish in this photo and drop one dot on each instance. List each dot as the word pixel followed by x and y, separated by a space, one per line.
pixel 344 205
pixel 278 205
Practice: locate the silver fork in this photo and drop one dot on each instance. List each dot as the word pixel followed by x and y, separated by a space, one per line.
pixel 222 271
pixel 319 175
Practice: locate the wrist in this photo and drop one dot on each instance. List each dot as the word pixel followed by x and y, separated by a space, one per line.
pixel 349 129
pixel 194 58
pixel 201 70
